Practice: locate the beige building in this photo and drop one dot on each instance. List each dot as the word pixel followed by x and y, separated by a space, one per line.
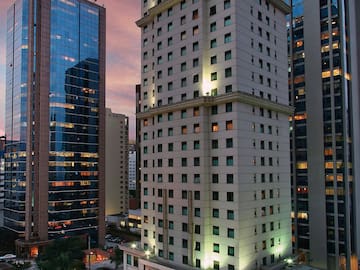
pixel 215 163
pixel 117 141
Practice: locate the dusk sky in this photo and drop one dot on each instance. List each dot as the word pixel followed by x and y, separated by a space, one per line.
pixel 123 57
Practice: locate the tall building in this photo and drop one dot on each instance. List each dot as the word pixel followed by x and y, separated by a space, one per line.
pixel 117 159
pixel 324 90
pixel 215 156
pixel 2 178
pixel 55 119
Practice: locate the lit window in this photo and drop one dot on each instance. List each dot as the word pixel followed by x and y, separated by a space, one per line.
pixel 214 127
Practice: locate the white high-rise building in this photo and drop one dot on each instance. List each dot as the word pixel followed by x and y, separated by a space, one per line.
pixel 215 162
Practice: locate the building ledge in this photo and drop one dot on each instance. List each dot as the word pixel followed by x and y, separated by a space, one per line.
pixel 208 101
pixel 152 12
pixel 280 4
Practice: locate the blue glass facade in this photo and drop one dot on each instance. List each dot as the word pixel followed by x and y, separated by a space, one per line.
pixel 74 115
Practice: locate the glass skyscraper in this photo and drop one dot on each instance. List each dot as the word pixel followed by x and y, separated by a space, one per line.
pixel 325 131
pixel 55 109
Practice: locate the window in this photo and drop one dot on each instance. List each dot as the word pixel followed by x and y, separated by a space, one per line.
pixel 213 27
pixel 184 178
pixel 227 4
pixel 229 178
pixel 170 26
pixel 170 86
pixel 196 111
pixel 215 213
pixel 228 107
pixel 213 76
pixel 183 130
pixel 229 161
pixel 184 194
pixel 231 251
pixel 183 114
pixel 216 248
pixel 196 78
pixel 196 145
pixel 229 125
pixel 216 230
pixel 212 10
pixel 170 41
pixel 230 214
pixel 170 147
pixel 196 161
pixel 229 143
pixel 197 229
pixel 183 35
pixel 227 21
pixel 213 43
pixel 195 30
pixel 195 14
pixel 184 211
pixel 195 62
pixel 183 51
pixel 183 146
pixel 195 46
pixel 215 161
pixel 228 72
pixel 183 162
pixel 184 243
pixel 215 195
pixel 214 144
pixel 170 131
pixel 215 178
pixel 230 233
pixel 197 246
pixel 214 127
pixel 170 162
pixel 227 55
pixel 183 82
pixel 197 212
pixel 230 196
pixel 227 38
pixel 183 4
pixel 196 195
pixel 216 265
pixel 228 88
pixel 170 12
pixel 183 68
pixel 171 225
pixel 213 60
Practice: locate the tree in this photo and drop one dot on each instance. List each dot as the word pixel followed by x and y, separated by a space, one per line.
pixel 63 254
pixel 117 257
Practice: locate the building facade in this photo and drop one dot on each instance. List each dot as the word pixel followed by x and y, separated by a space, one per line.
pixel 55 119
pixel 215 169
pixel 117 159
pixel 2 178
pixel 132 167
pixel 325 131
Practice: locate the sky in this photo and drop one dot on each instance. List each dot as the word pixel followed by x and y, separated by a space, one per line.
pixel 122 57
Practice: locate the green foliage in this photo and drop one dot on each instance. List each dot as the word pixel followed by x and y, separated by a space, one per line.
pixel 63 254
pixel 7 241
pixel 117 257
